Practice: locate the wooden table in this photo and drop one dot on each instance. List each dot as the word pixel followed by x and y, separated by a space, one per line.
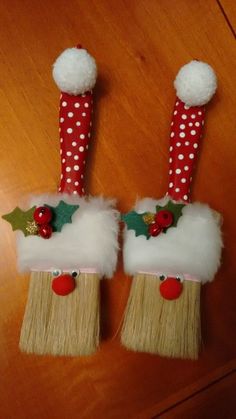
pixel 139 46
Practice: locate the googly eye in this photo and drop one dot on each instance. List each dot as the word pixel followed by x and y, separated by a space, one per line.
pixel 180 278
pixel 56 272
pixel 162 277
pixel 74 274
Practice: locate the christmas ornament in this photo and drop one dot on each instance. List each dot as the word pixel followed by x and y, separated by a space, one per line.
pixel 164 218
pixel 42 215
pixel 154 230
pixel 45 231
pixel 70 241
pixel 180 250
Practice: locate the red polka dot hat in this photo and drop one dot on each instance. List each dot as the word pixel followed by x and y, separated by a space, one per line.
pixel 84 230
pixel 172 237
pixel 75 117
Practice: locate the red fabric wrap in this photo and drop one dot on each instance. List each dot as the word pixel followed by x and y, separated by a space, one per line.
pixel 186 132
pixel 74 127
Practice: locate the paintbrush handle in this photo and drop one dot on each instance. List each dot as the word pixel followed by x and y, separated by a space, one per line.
pixel 75 74
pixel 185 137
pixel 75 132
pixel 195 85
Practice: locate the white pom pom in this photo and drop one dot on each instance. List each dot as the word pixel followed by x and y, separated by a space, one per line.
pixel 75 71
pixel 195 83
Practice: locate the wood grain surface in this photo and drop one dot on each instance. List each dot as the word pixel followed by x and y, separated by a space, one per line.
pixel 139 46
pixel 216 401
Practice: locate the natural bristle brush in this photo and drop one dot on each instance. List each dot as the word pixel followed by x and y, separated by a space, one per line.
pixel 172 246
pixel 67 241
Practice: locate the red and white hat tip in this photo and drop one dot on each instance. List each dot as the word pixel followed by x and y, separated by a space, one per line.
pixel 75 74
pixel 75 71
pixel 195 83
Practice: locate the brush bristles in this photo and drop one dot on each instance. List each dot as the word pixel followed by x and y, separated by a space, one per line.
pixel 153 324
pixel 61 325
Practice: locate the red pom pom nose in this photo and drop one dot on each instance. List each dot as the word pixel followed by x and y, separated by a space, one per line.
pixel 63 284
pixel 171 288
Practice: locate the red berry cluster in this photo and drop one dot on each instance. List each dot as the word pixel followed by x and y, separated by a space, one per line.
pixel 43 216
pixel 163 219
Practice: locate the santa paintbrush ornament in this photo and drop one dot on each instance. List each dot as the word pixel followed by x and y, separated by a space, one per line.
pixel 69 241
pixel 172 246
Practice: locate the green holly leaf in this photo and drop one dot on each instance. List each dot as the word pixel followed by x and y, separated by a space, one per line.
pixel 62 214
pixel 134 221
pixel 176 210
pixel 19 219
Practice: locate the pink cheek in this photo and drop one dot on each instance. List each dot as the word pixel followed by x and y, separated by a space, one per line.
pixel 63 284
pixel 171 289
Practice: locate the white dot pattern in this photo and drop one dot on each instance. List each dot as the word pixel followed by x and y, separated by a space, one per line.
pixel 75 129
pixel 186 130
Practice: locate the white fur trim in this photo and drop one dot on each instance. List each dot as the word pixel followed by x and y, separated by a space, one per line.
pixel 193 247
pixel 75 71
pixel 195 83
pixel 89 242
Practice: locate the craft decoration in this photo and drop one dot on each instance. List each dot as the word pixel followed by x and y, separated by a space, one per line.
pixel 172 246
pixel 152 224
pixel 37 220
pixel 21 220
pixel 69 241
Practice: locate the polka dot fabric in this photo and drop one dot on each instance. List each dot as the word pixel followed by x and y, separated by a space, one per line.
pixel 186 131
pixel 74 128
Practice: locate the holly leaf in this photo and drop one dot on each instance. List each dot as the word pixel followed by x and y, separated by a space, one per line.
pixel 62 214
pixel 134 221
pixel 175 209
pixel 19 219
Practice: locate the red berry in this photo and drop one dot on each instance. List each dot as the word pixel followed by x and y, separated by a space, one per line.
pixel 63 284
pixel 42 215
pixel 45 231
pixel 164 218
pixel 154 229
pixel 171 288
